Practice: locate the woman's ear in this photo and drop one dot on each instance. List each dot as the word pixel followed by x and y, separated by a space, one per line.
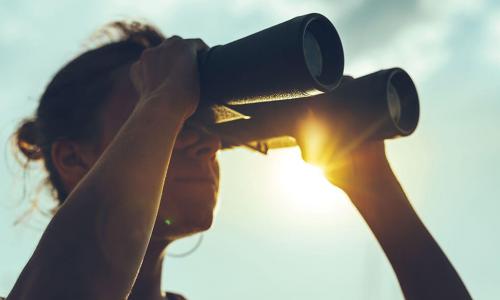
pixel 72 160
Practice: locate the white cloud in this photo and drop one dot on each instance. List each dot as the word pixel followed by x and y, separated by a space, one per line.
pixel 420 49
pixel 158 10
pixel 422 46
pixel 14 29
pixel 152 8
pixel 454 8
pixel 284 9
pixel 491 39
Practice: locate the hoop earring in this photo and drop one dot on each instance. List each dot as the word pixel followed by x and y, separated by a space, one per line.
pixel 189 252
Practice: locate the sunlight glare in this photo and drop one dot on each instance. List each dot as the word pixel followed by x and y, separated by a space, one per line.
pixel 305 186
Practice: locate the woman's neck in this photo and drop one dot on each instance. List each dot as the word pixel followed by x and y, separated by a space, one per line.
pixel 147 286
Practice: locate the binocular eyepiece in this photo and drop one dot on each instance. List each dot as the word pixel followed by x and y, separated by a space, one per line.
pixel 385 102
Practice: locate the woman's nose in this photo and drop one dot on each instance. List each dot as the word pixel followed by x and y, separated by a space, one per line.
pixel 197 144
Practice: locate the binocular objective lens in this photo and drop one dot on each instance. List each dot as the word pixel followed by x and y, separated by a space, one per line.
pixel 312 54
pixel 394 103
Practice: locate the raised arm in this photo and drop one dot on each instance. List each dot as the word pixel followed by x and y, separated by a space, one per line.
pixel 422 269
pixel 94 245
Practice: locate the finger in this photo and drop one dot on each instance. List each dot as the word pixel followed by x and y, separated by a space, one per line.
pixel 168 43
pixel 174 37
pixel 133 68
pixel 135 73
pixel 347 78
pixel 198 44
pixel 171 40
pixel 136 67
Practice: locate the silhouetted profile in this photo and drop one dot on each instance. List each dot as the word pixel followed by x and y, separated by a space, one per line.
pixel 131 178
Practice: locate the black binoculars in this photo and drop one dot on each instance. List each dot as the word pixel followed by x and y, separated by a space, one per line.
pixel 298 58
pixel 254 91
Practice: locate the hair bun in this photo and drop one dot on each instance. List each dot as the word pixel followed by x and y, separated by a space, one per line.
pixel 27 138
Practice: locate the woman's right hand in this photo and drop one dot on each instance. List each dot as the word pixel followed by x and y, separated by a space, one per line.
pixel 94 246
pixel 169 72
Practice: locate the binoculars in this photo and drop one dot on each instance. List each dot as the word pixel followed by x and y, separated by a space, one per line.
pixel 256 90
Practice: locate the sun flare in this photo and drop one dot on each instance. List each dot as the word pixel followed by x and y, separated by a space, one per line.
pixel 305 185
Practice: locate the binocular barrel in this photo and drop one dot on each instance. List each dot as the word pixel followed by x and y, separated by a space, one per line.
pixel 298 58
pixel 385 101
pixel 380 105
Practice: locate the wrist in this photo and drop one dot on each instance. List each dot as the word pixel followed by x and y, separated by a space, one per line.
pixel 364 178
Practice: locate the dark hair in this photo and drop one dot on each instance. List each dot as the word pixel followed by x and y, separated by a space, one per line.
pixel 69 107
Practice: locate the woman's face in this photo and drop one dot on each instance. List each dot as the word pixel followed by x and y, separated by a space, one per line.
pixel 190 191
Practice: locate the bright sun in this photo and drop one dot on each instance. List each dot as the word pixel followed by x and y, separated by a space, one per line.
pixel 304 185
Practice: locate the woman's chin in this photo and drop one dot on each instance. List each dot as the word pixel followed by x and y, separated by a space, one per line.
pixel 170 229
pixel 185 209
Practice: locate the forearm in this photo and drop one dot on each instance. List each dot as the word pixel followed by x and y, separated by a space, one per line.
pixel 423 270
pixel 126 185
pixel 99 236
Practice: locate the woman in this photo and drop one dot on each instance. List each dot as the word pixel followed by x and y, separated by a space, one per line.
pixel 132 177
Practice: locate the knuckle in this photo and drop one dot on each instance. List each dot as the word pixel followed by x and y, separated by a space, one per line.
pixel 182 48
pixel 171 41
pixel 200 44
pixel 174 38
pixel 184 44
pixel 173 44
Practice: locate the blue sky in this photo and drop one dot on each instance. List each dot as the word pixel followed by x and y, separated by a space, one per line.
pixel 267 240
